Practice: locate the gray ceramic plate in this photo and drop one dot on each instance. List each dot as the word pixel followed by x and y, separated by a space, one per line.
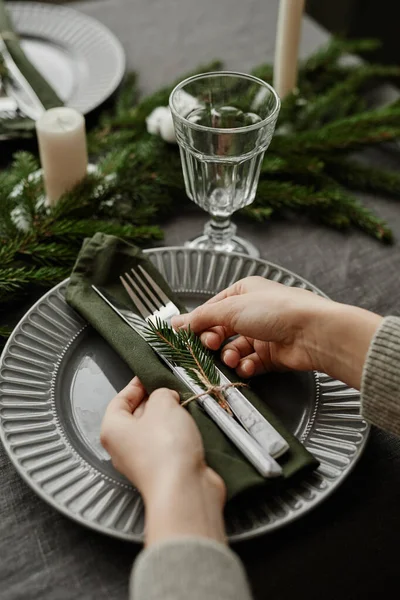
pixel 80 58
pixel 57 376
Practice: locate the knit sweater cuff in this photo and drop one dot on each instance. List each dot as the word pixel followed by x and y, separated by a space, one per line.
pixel 182 568
pixel 380 385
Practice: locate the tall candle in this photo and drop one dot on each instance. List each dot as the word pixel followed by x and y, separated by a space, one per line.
pixel 287 46
pixel 63 152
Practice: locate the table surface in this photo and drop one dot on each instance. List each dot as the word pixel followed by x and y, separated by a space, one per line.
pixel 348 547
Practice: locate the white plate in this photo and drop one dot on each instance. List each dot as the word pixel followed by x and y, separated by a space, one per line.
pixel 80 57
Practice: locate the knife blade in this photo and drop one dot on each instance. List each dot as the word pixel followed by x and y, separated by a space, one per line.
pixel 19 88
pixel 263 462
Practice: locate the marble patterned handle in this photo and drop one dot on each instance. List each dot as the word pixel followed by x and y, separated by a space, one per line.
pixel 253 421
pixel 265 464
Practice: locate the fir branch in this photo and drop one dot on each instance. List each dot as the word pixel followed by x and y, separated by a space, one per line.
pixel 343 98
pixel 128 95
pixel 66 229
pixel 284 194
pixel 354 175
pixel 324 57
pixel 53 253
pixel 290 164
pixel 82 199
pixel 8 228
pixel 362 46
pixel 183 349
pixel 328 55
pixel 369 128
pixel 18 280
pixel 115 161
pixel 363 219
pixel 24 164
pixel 12 181
pixel 258 213
pixel 333 218
pixel 357 214
pixel 8 250
pixel 324 204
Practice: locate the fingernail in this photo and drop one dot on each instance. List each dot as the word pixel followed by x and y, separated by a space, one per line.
pixel 225 355
pixel 177 322
pixel 247 367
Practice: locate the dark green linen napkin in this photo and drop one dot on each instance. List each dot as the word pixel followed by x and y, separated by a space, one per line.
pixel 43 90
pixel 102 259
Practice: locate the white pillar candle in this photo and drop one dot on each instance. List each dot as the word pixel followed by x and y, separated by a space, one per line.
pixel 287 46
pixel 63 152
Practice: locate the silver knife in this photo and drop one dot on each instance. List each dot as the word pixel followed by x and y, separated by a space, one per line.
pixel 263 462
pixel 19 88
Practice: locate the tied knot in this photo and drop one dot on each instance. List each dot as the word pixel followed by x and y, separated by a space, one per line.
pixel 216 390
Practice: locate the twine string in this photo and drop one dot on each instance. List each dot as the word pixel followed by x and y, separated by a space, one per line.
pixel 214 390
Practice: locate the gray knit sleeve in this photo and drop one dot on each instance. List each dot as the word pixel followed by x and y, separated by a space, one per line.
pixel 380 385
pixel 188 569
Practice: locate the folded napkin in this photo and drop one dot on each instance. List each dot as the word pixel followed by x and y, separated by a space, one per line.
pixel 102 259
pixel 43 90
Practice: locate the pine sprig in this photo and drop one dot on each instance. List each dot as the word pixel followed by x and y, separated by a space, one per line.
pixel 184 349
pixel 53 253
pixel 343 99
pixel 327 57
pixel 352 133
pixel 356 176
pixel 15 281
pixel 70 230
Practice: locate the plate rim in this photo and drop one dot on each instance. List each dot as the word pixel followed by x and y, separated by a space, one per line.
pixel 137 538
pixel 121 60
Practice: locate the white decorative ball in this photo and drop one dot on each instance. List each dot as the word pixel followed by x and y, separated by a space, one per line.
pixel 167 129
pixel 154 120
pixel 160 121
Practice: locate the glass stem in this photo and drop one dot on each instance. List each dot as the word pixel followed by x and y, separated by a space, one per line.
pixel 219 230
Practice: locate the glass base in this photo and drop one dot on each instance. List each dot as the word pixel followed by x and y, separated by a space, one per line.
pixel 234 244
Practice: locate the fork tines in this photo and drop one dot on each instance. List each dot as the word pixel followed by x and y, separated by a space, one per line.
pixel 144 291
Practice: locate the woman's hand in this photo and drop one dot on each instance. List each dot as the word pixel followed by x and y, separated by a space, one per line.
pixel 280 327
pixel 155 443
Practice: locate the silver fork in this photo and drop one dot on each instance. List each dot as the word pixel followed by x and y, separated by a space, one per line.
pixel 153 303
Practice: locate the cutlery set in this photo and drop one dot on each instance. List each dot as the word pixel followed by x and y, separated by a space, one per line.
pixel 248 429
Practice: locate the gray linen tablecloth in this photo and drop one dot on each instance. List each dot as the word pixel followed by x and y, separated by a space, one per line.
pixel 348 547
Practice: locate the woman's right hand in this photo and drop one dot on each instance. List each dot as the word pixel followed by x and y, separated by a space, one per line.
pixel 281 327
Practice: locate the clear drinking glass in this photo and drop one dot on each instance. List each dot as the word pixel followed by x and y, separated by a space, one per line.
pixel 224 122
